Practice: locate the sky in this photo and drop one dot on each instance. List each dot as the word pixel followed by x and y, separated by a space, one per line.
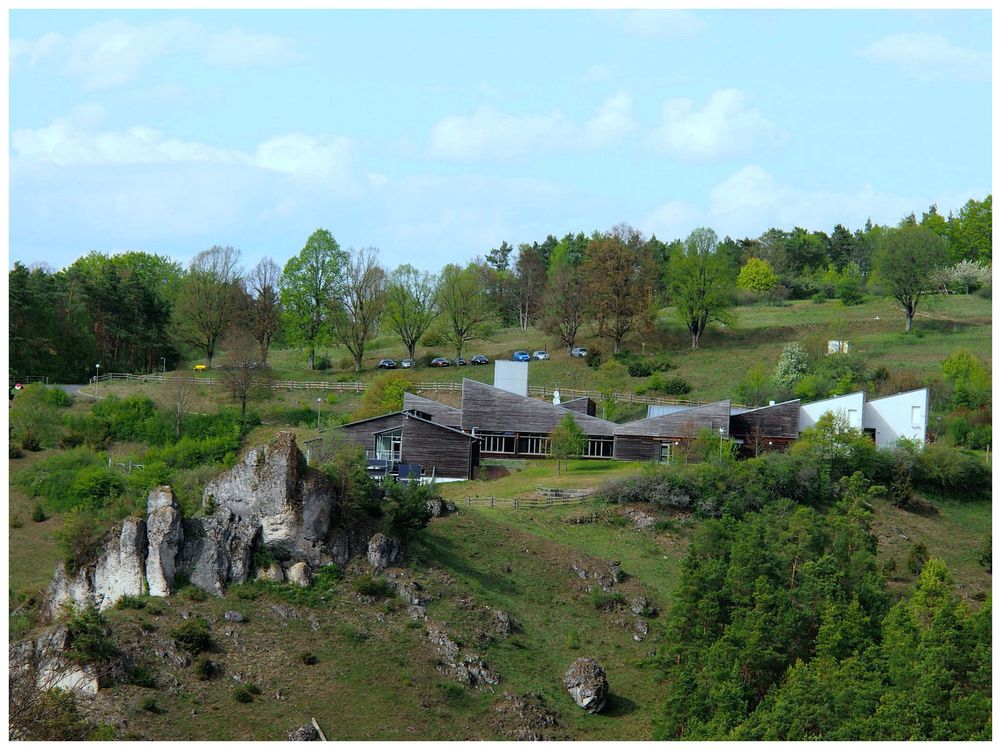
pixel 436 135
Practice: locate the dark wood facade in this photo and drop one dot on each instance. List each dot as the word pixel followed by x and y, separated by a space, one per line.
pixel 766 428
pixel 583 405
pixel 637 448
pixel 489 409
pixel 444 450
pixel 363 432
pixel 644 439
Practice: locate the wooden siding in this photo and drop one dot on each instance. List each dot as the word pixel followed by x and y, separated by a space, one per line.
pixel 778 421
pixel 681 424
pixel 448 452
pixel 440 413
pixel 583 405
pixel 637 449
pixel 489 409
pixel 363 432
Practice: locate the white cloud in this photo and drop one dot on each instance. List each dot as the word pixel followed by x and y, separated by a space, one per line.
pixel 73 141
pixel 724 127
pixel 491 134
pixel 663 23
pixel 673 219
pixel 111 53
pixel 929 56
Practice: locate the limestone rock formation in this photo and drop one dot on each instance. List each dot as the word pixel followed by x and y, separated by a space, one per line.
pixel 300 575
pixel 305 733
pixel 588 684
pixel 272 572
pixel 165 537
pixel 119 571
pixel 382 551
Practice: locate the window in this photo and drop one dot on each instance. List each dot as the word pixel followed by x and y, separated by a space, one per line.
pixel 389 445
pixel 665 451
pixel 917 416
pixel 497 442
pixel 600 448
pixel 532 445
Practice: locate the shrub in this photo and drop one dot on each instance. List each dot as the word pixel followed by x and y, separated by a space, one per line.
pixel 952 471
pixel 193 635
pixel 30 442
pixel 89 639
pixel 79 538
pixel 818 298
pixel 141 676
pixel 637 368
pixel 674 386
pixel 405 506
pixel 661 363
pixel 594 358
pixel 309 658
pixel 205 669
pixel 323 363
pixel 130 602
pixel 917 557
pixel 95 485
pixel 71 438
pixel 792 365
pixel 38 514
pixel 246 692
pixel 150 705
pixel 606 602
pixel 369 585
pixel 14 451
pixel 849 291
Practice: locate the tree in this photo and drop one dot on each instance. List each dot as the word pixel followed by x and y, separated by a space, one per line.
pixel 411 305
pixel 530 283
pixel 904 263
pixel 757 276
pixel 463 303
pixel 180 391
pixel 700 284
pixel 618 276
pixel 242 375
pixel 384 395
pixel 309 283
pixel 567 441
pixel 565 304
pixel 971 232
pixel 361 303
pixel 208 299
pixel 263 304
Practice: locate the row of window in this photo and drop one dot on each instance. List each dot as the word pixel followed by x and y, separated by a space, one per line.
pixel 539 445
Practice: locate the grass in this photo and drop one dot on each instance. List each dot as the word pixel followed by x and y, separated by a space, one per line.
pixel 578 474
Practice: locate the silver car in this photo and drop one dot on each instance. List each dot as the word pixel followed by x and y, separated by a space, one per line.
pixel 540 355
pixel 579 351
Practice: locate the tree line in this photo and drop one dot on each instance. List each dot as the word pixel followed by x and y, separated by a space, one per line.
pixel 140 312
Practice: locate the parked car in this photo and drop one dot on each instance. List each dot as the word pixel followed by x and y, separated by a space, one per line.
pixel 540 355
pixel 406 364
pixel 579 351
pixel 460 361
pixel 199 368
pixel 387 364
pixel 440 362
pixel 521 356
pixel 479 359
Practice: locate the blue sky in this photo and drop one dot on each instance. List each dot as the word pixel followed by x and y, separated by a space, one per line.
pixel 435 135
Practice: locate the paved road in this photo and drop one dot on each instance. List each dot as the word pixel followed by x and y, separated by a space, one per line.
pixel 74 389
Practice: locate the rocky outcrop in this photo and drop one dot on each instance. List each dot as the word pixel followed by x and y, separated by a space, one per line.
pixel 524 718
pixel 119 571
pixel 640 519
pixel 469 670
pixel 588 685
pixel 305 733
pixel 40 664
pixel 165 536
pixel 382 551
pixel 439 507
pixel 269 500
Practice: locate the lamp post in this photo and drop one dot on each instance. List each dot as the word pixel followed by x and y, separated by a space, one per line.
pixel 722 434
pixel 98 378
pixel 318 402
pixel 163 363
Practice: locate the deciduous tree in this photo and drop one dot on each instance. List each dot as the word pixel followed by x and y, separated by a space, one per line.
pixel 411 305
pixel 361 303
pixel 701 284
pixel 905 261
pixel 463 304
pixel 263 305
pixel 208 299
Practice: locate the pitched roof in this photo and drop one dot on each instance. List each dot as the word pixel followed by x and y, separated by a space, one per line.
pixel 439 426
pixel 679 423
pixel 490 409
pixel 441 413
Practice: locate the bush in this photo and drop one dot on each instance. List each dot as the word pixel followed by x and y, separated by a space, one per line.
pixel 308 658
pixel 917 557
pixel 150 705
pixel 594 358
pixel 14 451
pixel 246 692
pixel 205 669
pixel 405 506
pixel 850 292
pixel 637 368
pixel 368 585
pixel 323 363
pixel 94 486
pixel 606 602
pixel 89 638
pixel 952 471
pixel 674 386
pixel 38 514
pixel 79 538
pixel 71 438
pixel 30 442
pixel 193 635
pixel 130 602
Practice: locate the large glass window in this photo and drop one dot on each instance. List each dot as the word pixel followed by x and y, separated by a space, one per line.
pixel 389 445
pixel 531 445
pixel 497 442
pixel 600 448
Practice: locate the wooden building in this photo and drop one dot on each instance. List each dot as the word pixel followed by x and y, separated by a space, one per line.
pixel 766 428
pixel 514 426
pixel 657 438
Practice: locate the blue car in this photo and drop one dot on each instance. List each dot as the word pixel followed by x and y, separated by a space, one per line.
pixel 520 356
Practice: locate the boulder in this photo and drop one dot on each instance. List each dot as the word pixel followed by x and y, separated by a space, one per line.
pixel 436 507
pixel 524 718
pixel 165 537
pixel 233 616
pixel 640 519
pixel 272 572
pixel 588 684
pixel 300 575
pixel 382 551
pixel 305 733
pixel 218 550
pixel 640 605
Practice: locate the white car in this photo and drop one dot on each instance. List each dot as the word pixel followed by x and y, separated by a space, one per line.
pixel 579 351
pixel 540 355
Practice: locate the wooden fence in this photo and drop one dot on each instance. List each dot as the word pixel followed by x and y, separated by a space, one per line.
pixel 521 503
pixel 544 392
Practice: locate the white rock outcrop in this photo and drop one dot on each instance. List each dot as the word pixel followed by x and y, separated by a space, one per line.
pixel 382 551
pixel 165 536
